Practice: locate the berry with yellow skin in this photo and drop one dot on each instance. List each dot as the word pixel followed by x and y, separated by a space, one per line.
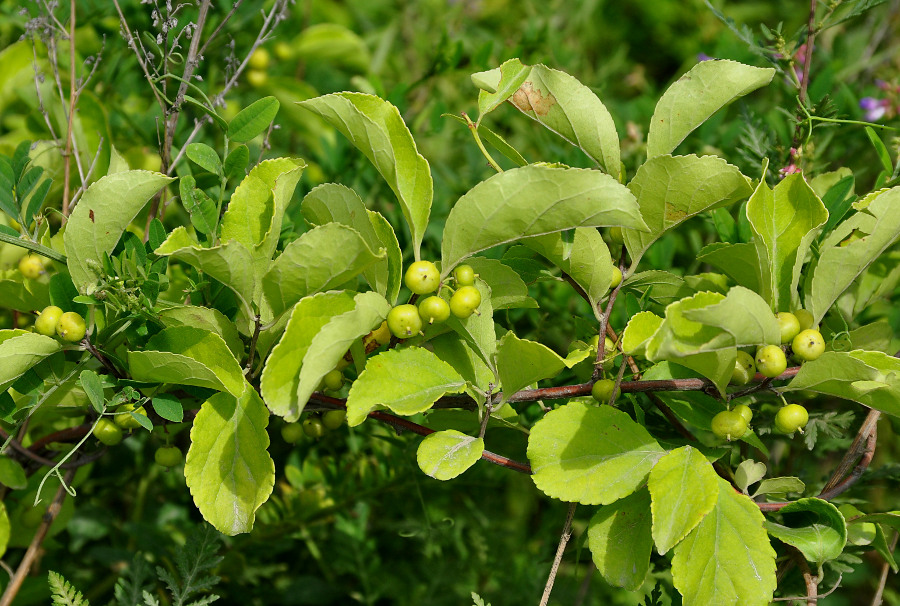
pixel 465 301
pixel 602 390
pixel 257 77
pixel 334 380
pixel 434 310
pixel 31 266
pixel 729 424
pixel 124 419
pixel 107 432
pixel 616 278
pixel 259 59
pixel 789 325
pixel 744 369
pixel 382 334
pixel 805 319
pixel 71 327
pixel 770 361
pixel 464 275
pixel 48 319
pixel 791 418
pixel 404 321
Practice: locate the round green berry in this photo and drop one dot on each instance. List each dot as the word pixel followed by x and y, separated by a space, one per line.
pixel 107 432
pixel 334 419
pixel 313 427
pixel 404 321
pixel 167 456
pixel 292 433
pixel 47 321
pixel 422 277
pixel 31 266
pixel 791 418
pixel 744 369
pixel 616 277
pixel 744 411
pixel 770 361
pixel 434 310
pixel 465 301
pixel 808 345
pixel 602 390
pixel 729 424
pixel 805 319
pixel 71 327
pixel 464 275
pixel 789 325
pixel 124 419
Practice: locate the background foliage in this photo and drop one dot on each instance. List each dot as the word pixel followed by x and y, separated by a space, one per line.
pixel 352 518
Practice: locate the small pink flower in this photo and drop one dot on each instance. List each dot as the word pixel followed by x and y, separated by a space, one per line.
pixel 874 108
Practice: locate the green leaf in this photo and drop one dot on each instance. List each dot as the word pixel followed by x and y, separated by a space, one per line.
pixel 208 319
pixel 660 286
pixel 739 262
pixel 478 329
pixel 508 291
pixel 256 210
pixel 168 407
pixel 230 263
pixel 588 262
pixel 376 128
pixel 521 363
pixel 236 162
pixel 454 350
pixel 102 214
pixel 838 266
pixel 334 339
pixel 566 107
pixel 406 381
pixel 93 388
pixel 253 120
pixel 620 541
pixel 498 85
pixel 727 558
pixel 780 486
pixel 591 455
pixel 868 377
pixel 199 205
pixel 638 332
pixel 744 317
pixel 19 351
pixel 671 189
pixel 446 454
pixel 220 122
pixel 332 43
pixel 880 149
pixel 684 489
pixel 188 356
pixel 813 526
pixel 322 258
pixel 532 201
pixel 12 475
pixel 228 470
pixel 204 156
pixel 747 473
pixel 4 529
pixel 281 375
pixel 785 221
pixel 697 95
pixel 332 202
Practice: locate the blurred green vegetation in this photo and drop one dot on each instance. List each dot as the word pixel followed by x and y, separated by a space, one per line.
pixel 352 520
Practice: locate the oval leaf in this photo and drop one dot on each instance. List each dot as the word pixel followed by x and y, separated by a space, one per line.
pixel 446 454
pixel 697 95
pixel 227 468
pixel 406 381
pixel 102 214
pixel 684 489
pixel 376 128
pixel 531 201
pixel 813 526
pixel 253 120
pixel 19 351
pixel 620 541
pixel 591 455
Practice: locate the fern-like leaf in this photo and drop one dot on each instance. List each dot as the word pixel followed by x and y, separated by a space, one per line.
pixel 132 585
pixel 62 593
pixel 193 561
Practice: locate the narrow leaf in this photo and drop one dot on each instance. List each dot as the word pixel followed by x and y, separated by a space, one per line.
pixel 253 120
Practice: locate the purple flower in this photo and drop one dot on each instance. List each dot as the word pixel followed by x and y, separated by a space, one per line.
pixel 874 108
pixel 704 57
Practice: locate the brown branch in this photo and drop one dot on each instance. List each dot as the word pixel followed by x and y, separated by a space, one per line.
pixel 885 569
pixel 857 448
pixel 31 554
pixel 563 541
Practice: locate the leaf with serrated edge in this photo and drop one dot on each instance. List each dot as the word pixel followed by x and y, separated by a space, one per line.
pixel 334 339
pixel 227 468
pixel 256 209
pixel 588 261
pixel 727 559
pixel 838 266
pixel 697 95
pixel 820 533
pixel 406 381
pixel 446 454
pixel 207 318
pixel 639 331
pixel 332 202
pixel 785 221
pixel 19 351
pixel 189 356
pixel 620 541
pixel 230 263
pixel 322 258
pixel 101 216
pixel 590 455
pixel 683 489
pixel 281 374
pixel 531 201
pixel 376 128
pixel 868 377
pixel 672 189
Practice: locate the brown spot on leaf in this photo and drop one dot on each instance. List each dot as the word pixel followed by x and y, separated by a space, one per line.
pixel 674 215
pixel 91 215
pixel 530 99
